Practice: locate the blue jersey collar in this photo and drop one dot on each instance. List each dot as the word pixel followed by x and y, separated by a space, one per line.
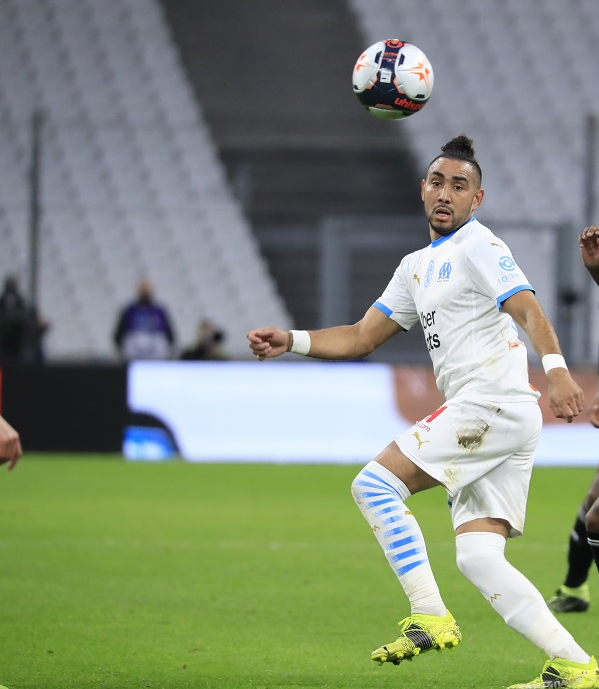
pixel 436 242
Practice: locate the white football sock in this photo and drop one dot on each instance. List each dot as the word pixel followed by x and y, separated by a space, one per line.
pixel 481 559
pixel 380 496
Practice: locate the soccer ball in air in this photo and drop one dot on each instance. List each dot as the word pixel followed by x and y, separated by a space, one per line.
pixel 393 79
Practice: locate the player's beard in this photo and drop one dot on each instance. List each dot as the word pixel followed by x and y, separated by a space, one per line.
pixel 445 229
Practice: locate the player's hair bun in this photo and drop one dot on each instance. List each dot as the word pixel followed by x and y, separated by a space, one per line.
pixel 460 147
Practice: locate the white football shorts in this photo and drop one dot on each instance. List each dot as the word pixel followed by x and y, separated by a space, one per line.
pixel 482 452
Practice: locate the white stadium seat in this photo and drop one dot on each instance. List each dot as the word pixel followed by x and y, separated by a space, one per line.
pixel 129 178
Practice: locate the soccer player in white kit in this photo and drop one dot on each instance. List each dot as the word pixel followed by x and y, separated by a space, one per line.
pixel 468 293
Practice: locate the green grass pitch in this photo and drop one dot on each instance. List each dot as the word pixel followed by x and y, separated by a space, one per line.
pixel 173 576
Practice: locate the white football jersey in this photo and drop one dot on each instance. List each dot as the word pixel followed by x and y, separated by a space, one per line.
pixel 455 288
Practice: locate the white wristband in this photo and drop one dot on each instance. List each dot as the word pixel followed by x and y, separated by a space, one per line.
pixel 550 361
pixel 301 342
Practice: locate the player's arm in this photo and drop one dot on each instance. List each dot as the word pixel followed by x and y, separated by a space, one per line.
pixel 10 444
pixel 588 243
pixel 594 411
pixel 340 342
pixel 565 396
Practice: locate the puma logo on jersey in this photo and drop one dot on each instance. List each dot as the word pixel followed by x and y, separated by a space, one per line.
pixel 499 245
pixel 420 442
pixel 417 278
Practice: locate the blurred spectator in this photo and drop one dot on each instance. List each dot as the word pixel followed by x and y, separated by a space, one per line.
pixel 208 345
pixel 144 329
pixel 21 328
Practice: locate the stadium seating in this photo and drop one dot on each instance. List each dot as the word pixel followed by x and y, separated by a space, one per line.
pixel 518 78
pixel 131 183
pixel 133 186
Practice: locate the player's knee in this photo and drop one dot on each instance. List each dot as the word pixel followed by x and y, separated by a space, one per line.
pixel 467 560
pixel 476 553
pixel 592 495
pixel 376 482
pixel 591 521
pixel 355 487
pixel 591 498
pixel 361 484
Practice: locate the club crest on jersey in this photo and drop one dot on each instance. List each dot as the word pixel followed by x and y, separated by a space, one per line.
pixel 429 273
pixel 444 272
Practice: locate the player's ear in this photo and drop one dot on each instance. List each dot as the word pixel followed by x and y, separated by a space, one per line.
pixel 478 199
pixel 422 189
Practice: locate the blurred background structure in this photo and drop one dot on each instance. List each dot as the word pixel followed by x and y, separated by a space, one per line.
pixel 217 150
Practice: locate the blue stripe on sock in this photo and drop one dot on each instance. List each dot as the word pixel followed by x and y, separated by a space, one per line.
pixel 379 479
pixel 406 568
pixel 369 484
pixel 402 541
pixel 371 494
pixel 406 554
pixel 393 519
pixel 364 487
pixel 386 510
pixel 397 530
pixel 376 503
